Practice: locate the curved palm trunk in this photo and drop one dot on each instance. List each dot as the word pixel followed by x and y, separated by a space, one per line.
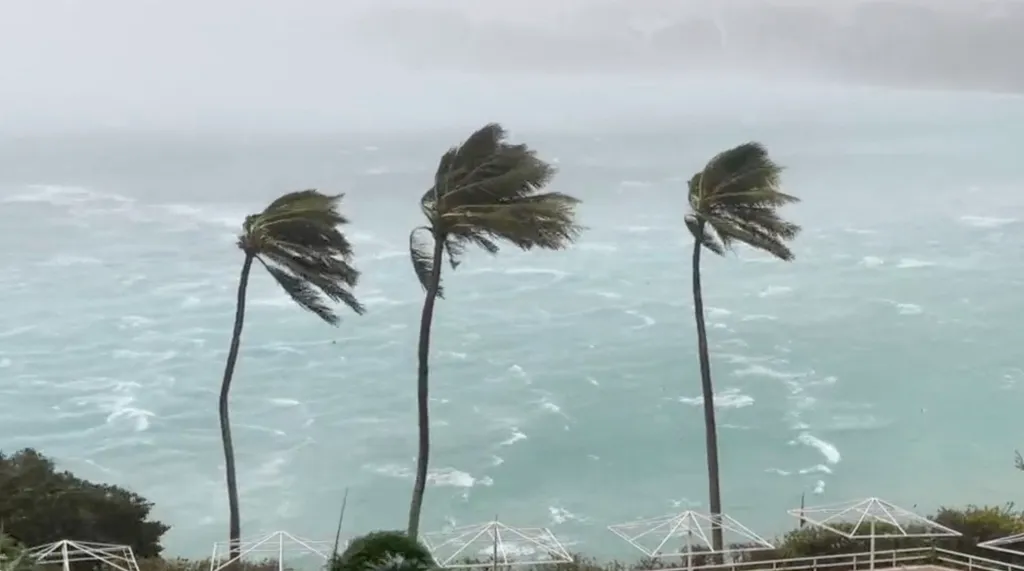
pixel 423 392
pixel 710 428
pixel 234 525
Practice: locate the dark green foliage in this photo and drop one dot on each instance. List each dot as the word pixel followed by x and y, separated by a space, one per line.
pixel 384 551
pixel 39 505
pixel 736 198
pixel 298 240
pixel 978 524
pixel 13 555
pixel 487 191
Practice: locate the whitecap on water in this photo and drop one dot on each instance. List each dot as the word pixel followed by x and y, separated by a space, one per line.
pixel 759 317
pixel 909 309
pixel 137 417
pixel 729 398
pixel 646 320
pixel 871 261
pixel 817 469
pixel 66 260
pixel 827 449
pixel 517 435
pixel 561 515
pixel 985 221
pixel 441 477
pixel 756 370
pixel 910 263
pixel 773 290
pixel 58 195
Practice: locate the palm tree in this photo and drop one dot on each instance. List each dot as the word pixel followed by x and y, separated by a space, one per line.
pixel 734 199
pixel 297 240
pixel 485 191
pixel 383 551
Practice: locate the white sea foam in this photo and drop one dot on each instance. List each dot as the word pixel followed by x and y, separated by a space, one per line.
pixel 985 221
pixel 871 261
pixel 759 317
pixel 911 263
pixel 441 477
pixel 817 469
pixel 516 436
pixel 775 290
pixel 717 312
pixel 728 398
pixel 827 450
pixel 645 320
pixel 909 309
pixel 560 515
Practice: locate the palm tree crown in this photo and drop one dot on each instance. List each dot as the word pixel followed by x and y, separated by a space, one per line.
pixel 736 196
pixel 297 240
pixel 485 191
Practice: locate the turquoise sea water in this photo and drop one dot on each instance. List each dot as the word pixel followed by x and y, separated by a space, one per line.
pixel 885 361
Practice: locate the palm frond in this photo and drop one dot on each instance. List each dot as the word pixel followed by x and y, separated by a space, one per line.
pixel 707 239
pixel 736 197
pixel 742 175
pixel 544 221
pixel 486 169
pixel 487 191
pixel 420 251
pixel 298 240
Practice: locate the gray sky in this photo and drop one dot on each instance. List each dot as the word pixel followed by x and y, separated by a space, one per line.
pixel 190 64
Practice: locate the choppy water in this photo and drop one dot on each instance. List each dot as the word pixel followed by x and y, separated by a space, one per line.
pixel 884 361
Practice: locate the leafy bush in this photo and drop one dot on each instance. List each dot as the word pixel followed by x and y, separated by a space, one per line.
pixel 40 505
pixel 384 550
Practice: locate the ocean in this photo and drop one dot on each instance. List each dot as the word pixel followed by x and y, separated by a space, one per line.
pixel 884 361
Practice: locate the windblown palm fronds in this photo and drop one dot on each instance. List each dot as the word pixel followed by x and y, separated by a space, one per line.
pixel 298 240
pixel 487 191
pixel 736 197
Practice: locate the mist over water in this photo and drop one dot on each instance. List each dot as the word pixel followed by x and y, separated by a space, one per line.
pixel 565 384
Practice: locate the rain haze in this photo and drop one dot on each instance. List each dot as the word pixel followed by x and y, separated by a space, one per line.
pixel 325 65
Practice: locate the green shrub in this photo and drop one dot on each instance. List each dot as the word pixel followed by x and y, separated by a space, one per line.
pixel 383 550
pixel 40 505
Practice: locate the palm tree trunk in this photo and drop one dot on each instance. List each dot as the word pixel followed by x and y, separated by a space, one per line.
pixel 234 525
pixel 710 428
pixel 423 391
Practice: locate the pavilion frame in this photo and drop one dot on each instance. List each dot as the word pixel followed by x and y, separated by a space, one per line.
pixel 1001 543
pixel 449 546
pixel 67 551
pixel 276 544
pixel 871 511
pixel 691 524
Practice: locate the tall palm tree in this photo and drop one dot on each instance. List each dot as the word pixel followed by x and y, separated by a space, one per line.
pixel 297 240
pixel 734 199
pixel 485 191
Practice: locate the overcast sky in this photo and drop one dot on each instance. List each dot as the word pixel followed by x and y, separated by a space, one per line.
pixel 194 63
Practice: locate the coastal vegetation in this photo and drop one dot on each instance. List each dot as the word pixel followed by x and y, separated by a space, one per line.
pixel 297 239
pixel 733 200
pixel 58 505
pixel 486 192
